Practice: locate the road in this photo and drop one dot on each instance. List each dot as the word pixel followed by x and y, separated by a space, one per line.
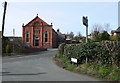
pixel 38 67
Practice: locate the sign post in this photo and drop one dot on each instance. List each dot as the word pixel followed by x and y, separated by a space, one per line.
pixel 74 60
pixel 85 22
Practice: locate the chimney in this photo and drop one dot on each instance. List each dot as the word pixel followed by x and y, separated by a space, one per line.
pixel 23 25
pixel 58 30
pixel 51 24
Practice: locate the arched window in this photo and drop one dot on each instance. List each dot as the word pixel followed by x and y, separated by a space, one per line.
pixel 36 24
pixel 46 36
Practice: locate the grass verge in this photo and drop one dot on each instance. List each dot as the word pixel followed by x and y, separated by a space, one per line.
pixel 92 69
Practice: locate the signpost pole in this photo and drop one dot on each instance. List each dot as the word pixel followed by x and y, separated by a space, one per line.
pixel 86 34
pixel 85 22
pixel 86 42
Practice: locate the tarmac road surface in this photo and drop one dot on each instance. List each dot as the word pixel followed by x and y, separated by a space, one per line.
pixel 38 66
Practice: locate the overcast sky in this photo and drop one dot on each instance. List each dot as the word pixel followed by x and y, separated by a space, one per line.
pixel 66 16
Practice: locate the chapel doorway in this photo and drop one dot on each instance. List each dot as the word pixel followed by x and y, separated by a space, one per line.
pixel 36 41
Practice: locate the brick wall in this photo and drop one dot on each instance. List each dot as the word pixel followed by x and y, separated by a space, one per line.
pixel 54 39
pixel 49 43
pixel 30 50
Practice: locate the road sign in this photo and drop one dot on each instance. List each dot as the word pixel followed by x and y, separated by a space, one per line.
pixel 85 21
pixel 74 60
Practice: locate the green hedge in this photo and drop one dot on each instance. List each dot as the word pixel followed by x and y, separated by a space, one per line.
pixel 105 52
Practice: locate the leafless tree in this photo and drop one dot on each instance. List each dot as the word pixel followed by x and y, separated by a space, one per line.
pixel 107 26
pixel 97 27
pixel 72 34
pixel 79 35
pixel 100 32
pixel 96 32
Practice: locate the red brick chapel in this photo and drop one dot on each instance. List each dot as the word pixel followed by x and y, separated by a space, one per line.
pixel 38 34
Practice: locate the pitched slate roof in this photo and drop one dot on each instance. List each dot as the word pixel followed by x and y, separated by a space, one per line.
pixel 118 29
pixel 115 31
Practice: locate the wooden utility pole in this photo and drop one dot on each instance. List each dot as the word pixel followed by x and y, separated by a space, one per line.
pixel 3 22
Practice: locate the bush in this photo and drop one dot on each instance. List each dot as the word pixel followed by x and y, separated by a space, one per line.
pixel 112 55
pixel 105 36
pixel 103 58
pixel 105 52
pixel 61 48
pixel 113 37
pixel 8 49
pixel 81 51
pixel 68 41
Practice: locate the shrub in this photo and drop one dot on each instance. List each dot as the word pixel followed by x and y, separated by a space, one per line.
pixel 103 58
pixel 68 41
pixel 112 49
pixel 61 48
pixel 113 37
pixel 8 49
pixel 105 52
pixel 105 36
pixel 81 51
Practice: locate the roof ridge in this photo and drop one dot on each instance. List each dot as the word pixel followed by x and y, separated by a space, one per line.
pixel 118 28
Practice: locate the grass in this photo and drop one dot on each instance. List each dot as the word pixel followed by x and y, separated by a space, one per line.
pixel 92 69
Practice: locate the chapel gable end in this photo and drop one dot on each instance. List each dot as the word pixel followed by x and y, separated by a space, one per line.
pixel 36 22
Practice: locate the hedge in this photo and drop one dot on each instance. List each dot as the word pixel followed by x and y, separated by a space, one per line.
pixel 105 52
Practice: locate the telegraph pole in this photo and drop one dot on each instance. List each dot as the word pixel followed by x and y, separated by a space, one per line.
pixel 3 22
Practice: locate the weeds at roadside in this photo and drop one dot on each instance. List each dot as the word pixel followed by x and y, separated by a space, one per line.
pixel 92 69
